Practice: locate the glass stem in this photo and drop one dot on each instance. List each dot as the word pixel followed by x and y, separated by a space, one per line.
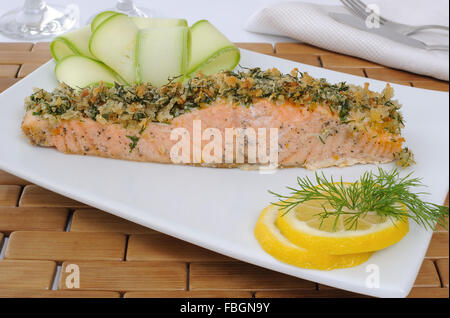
pixel 125 5
pixel 33 6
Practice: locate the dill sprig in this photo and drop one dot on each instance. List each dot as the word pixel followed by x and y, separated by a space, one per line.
pixel 385 193
pixel 134 142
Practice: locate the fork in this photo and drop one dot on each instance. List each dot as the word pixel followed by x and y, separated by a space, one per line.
pixel 363 11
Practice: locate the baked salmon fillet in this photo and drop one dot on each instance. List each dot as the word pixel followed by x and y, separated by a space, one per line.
pixel 317 124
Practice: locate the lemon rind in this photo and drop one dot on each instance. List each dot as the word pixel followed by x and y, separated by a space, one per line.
pixel 370 240
pixel 273 242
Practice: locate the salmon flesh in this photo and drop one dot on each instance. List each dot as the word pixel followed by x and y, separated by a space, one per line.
pixel 317 124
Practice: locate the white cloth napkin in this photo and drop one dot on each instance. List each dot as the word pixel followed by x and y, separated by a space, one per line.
pixel 311 24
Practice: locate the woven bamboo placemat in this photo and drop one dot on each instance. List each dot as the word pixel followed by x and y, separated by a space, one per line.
pixel 42 233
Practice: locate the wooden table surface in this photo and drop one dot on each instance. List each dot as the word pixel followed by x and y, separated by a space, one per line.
pixel 42 233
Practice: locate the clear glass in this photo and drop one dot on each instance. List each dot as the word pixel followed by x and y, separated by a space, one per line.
pixel 129 8
pixel 37 20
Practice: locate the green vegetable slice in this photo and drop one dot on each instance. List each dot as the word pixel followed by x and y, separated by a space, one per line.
pixel 145 23
pixel 113 42
pixel 162 53
pixel 167 47
pixel 210 50
pixel 60 48
pixel 102 16
pixel 80 71
pixel 72 43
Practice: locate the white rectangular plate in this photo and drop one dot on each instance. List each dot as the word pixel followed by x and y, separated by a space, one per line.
pixel 218 208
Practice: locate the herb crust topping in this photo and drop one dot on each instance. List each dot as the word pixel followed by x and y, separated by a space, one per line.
pixel 136 106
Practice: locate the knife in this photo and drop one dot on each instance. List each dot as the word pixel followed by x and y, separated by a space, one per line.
pixel 382 30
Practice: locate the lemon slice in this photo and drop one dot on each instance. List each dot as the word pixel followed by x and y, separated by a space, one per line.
pixel 303 226
pixel 274 243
